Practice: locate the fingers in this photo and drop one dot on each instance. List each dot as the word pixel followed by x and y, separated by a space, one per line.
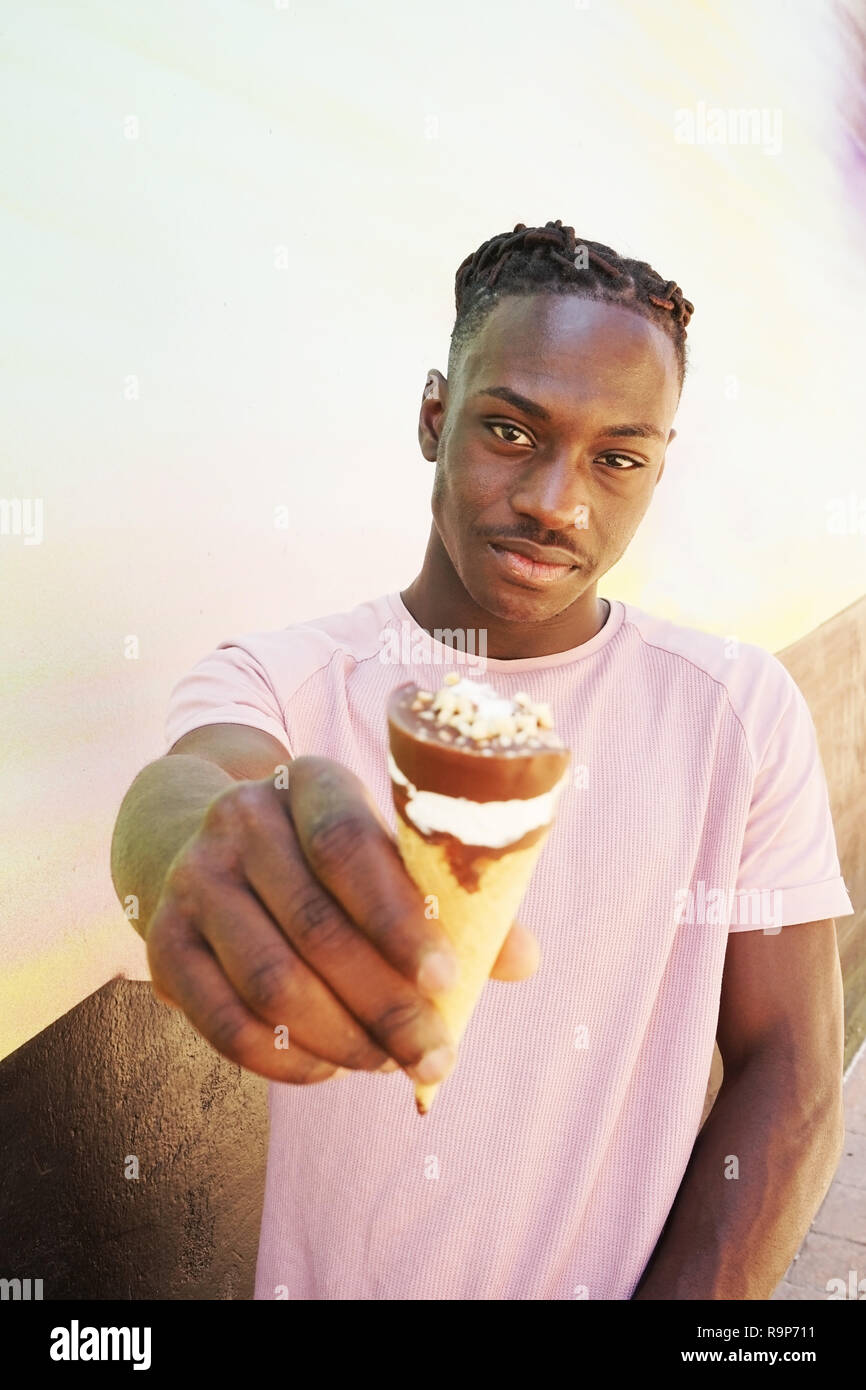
pixel 293 906
pixel 350 852
pixel 519 956
pixel 348 849
pixel 277 985
pixel 215 1011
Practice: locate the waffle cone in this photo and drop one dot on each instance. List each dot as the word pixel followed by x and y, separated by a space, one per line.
pixel 476 922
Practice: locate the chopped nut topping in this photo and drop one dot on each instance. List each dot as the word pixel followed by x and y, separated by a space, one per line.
pixel 445 700
pixel 459 719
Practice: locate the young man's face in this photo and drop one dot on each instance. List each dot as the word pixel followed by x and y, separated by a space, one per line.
pixel 564 483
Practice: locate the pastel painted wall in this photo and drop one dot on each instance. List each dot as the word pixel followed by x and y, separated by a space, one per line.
pixel 230 233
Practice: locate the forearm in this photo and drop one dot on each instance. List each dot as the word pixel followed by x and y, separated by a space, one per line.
pixel 164 806
pixel 733 1237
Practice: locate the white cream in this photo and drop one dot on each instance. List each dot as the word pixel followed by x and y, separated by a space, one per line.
pixel 490 705
pixel 490 823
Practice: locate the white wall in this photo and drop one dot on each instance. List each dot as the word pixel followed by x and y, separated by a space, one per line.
pixel 230 232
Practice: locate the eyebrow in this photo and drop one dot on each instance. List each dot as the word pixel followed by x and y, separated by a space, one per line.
pixel 505 393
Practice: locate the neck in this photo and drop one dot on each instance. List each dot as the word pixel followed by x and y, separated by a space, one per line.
pixel 437 598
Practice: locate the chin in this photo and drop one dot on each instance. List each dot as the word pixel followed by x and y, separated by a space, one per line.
pixel 511 604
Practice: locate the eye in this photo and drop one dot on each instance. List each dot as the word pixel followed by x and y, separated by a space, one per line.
pixel 625 459
pixel 515 429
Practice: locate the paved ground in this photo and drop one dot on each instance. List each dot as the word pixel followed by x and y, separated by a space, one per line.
pixel 836 1243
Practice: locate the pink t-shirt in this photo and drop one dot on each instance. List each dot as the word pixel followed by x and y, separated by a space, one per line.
pixel 697 805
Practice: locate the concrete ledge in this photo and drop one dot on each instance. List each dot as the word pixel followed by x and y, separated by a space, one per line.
pixel 829 666
pixel 123 1075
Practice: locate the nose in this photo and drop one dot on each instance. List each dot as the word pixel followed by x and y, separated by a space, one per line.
pixel 553 492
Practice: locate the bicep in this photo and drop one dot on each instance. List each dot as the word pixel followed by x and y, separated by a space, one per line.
pixel 245 753
pixel 782 991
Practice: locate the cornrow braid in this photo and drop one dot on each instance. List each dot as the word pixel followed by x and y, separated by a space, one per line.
pixel 550 259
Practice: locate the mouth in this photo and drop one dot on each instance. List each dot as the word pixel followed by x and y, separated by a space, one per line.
pixel 534 566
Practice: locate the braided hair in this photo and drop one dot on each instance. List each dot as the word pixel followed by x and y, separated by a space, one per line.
pixel 551 260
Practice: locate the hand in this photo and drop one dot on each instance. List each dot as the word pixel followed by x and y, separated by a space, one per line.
pixel 291 906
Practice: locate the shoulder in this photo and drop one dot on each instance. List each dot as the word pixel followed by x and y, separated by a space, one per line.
pixel 752 681
pixel 289 657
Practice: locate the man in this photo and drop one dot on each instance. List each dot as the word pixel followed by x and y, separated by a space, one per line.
pixel 687 890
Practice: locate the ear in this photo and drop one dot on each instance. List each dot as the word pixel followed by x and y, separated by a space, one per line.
pixel 434 399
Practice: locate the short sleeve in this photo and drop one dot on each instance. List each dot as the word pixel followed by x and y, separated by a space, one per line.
pixel 789 854
pixel 229 686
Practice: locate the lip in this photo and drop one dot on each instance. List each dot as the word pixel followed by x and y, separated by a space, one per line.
pixel 532 565
pixel 541 554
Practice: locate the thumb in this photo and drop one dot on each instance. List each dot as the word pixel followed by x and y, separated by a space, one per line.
pixel 519 956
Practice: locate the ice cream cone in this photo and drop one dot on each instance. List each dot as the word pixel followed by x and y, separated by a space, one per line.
pixel 473 813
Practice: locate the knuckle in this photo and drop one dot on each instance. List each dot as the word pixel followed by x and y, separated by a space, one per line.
pixel 248 799
pixel 220 814
pixel 336 838
pixel 315 921
pixel 238 806
pixel 266 984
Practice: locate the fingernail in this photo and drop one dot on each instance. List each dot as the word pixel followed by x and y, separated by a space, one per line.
pixel 438 973
pixel 390 1065
pixel 435 1066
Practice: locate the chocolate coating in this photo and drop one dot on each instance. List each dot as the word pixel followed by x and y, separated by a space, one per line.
pixel 463 769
